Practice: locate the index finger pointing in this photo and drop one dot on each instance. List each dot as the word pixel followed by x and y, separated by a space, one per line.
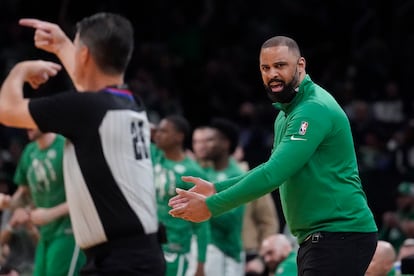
pixel 33 23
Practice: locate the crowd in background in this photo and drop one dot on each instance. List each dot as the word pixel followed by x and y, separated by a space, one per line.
pixel 199 59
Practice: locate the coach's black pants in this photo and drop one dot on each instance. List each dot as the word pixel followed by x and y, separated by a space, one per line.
pixel 336 254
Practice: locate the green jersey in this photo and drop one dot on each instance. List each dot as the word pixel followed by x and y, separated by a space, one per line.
pixel 313 162
pixel 167 177
pixel 41 170
pixel 288 266
pixel 226 229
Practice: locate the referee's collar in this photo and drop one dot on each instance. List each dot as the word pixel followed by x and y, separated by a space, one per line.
pixel 120 90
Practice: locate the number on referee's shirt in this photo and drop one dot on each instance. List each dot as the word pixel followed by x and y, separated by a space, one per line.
pixel 138 140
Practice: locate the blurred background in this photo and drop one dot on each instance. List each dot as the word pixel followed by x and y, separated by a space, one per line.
pixel 200 59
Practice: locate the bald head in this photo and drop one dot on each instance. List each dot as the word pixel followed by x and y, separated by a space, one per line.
pixel 277 41
pixel 275 249
pixel 383 260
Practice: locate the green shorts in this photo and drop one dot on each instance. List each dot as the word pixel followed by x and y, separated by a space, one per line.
pixel 58 257
pixel 176 263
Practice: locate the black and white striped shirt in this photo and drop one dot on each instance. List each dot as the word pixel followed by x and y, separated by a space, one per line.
pixel 107 164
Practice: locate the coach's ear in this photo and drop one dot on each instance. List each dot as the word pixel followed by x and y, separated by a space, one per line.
pixel 301 65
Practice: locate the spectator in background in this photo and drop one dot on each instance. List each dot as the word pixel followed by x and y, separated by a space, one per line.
pixel 401 144
pixel 10 155
pixel 382 263
pixel 279 255
pixel 405 258
pixel 389 109
pixel 255 136
pixel 406 249
pixel 398 225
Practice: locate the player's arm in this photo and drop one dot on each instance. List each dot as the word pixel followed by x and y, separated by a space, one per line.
pixel 14 108
pixel 202 231
pixel 20 197
pixel 42 216
pixel 16 200
pixel 19 217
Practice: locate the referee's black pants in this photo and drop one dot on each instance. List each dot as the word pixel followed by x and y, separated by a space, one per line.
pixel 336 254
pixel 126 256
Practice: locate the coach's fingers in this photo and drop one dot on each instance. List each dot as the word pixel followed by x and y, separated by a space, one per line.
pixel 177 200
pixel 201 186
pixel 181 203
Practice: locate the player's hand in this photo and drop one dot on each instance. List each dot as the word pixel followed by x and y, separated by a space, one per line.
pixel 192 207
pixel 5 200
pixel 48 36
pixel 20 216
pixel 36 72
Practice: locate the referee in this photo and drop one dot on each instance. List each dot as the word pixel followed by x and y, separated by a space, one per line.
pixel 107 163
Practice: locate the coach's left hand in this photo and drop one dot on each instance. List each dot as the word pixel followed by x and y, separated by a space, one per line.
pixel 192 207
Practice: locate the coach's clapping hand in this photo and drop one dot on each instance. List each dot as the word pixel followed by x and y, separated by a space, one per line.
pixel 191 205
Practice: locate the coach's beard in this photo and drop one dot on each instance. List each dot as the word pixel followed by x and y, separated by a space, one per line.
pixel 288 92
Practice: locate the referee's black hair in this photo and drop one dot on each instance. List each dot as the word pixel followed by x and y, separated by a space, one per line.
pixel 227 128
pixel 110 40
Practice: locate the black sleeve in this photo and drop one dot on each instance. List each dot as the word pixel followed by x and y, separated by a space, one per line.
pixel 64 113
